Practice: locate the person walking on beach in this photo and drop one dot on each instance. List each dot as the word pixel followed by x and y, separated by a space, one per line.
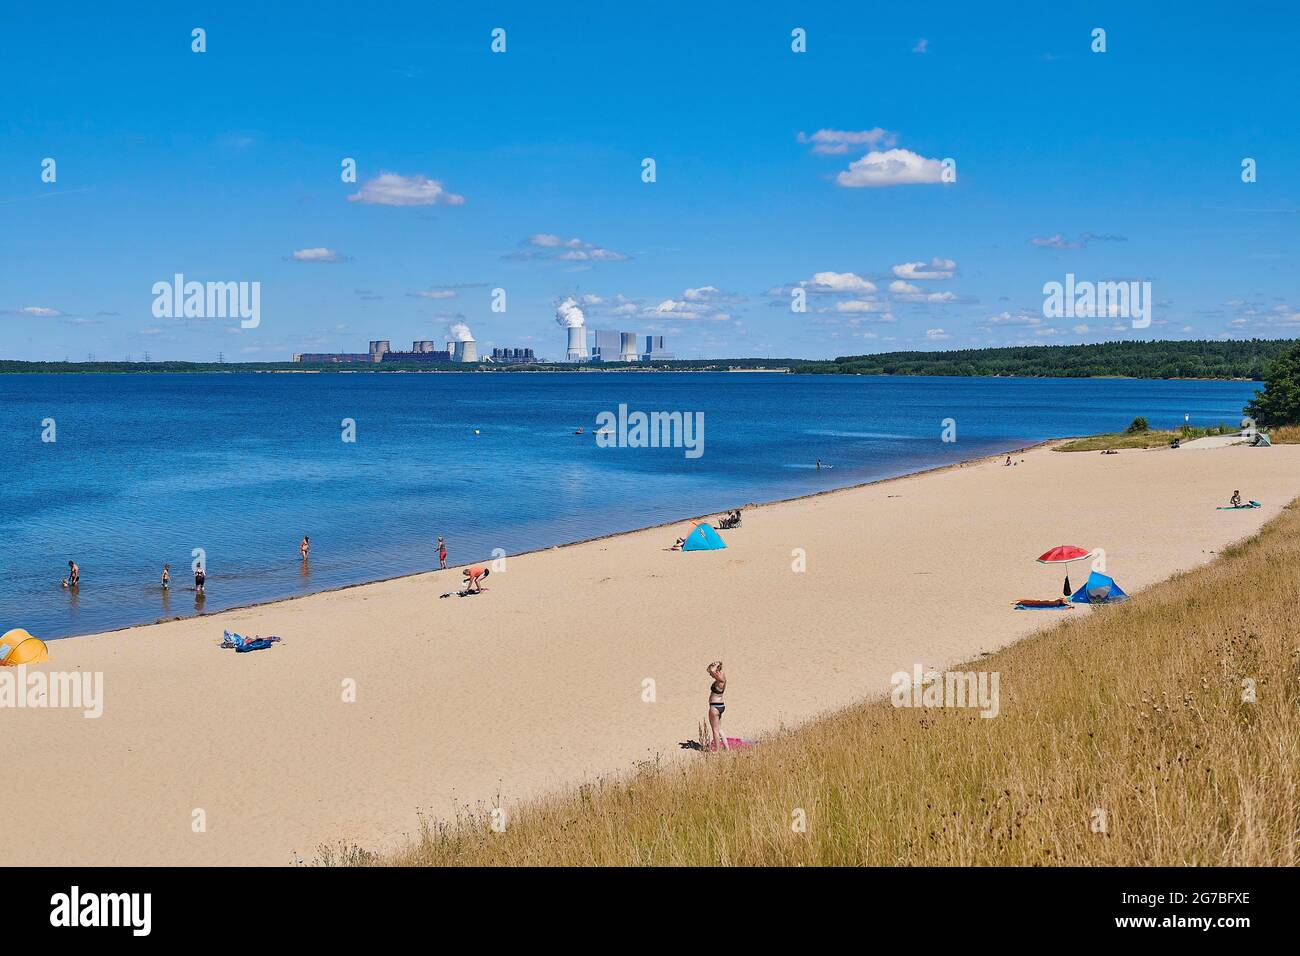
pixel 474 578
pixel 304 548
pixel 74 575
pixel 166 576
pixel 442 554
pixel 716 706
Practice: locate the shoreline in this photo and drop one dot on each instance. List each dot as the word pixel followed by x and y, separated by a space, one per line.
pixel 567 544
pixel 384 705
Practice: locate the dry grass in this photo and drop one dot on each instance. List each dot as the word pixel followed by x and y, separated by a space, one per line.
pixel 1285 435
pixel 1136 710
pixel 1146 439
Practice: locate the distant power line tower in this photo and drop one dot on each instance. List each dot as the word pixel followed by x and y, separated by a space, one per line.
pixel 147 358
pixel 221 358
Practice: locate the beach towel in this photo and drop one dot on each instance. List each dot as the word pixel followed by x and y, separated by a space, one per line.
pixel 1249 504
pixel 261 644
pixel 243 645
pixel 1029 604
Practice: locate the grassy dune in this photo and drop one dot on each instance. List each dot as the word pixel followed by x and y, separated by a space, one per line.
pixel 1281 435
pixel 1136 710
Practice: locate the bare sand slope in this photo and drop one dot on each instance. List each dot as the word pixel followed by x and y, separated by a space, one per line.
pixel 537 684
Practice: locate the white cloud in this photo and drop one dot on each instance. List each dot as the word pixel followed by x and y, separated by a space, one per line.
pixel 1027 319
pixel 837 282
pixel 937 269
pixel 1081 330
pixel 893 167
pixel 39 311
pixel 936 334
pixel 860 305
pixel 707 303
pixel 545 245
pixel 317 254
pixel 899 287
pixel 393 189
pixel 1058 241
pixel 436 294
pixel 837 141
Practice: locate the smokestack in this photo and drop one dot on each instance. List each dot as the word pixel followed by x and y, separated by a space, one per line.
pixel 466 351
pixel 569 315
pixel 627 347
pixel 577 344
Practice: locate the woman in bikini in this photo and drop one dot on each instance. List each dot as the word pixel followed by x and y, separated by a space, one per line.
pixel 716 706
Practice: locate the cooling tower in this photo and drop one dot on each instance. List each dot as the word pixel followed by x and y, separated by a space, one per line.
pixel 627 348
pixel 466 351
pixel 577 344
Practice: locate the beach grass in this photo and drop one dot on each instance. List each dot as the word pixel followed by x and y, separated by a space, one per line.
pixel 1285 435
pixel 1142 439
pixel 1163 731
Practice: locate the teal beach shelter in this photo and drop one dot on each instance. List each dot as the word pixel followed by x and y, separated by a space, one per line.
pixel 703 538
pixel 1099 589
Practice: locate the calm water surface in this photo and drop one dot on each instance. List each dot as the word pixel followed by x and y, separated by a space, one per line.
pixel 147 468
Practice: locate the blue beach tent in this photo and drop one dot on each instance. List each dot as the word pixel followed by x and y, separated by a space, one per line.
pixel 703 538
pixel 1099 589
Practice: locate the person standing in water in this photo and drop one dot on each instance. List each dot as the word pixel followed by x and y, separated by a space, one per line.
pixel 442 554
pixel 74 575
pixel 304 548
pixel 716 706
pixel 166 576
pixel 200 579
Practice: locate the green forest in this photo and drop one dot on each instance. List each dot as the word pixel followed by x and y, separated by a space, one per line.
pixel 1192 359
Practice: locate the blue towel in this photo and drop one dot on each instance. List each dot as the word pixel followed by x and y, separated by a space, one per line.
pixel 258 645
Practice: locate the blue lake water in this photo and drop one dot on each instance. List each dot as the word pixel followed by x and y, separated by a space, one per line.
pixel 147 468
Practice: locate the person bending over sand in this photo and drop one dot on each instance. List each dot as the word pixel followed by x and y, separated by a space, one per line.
pixel 716 706
pixel 474 578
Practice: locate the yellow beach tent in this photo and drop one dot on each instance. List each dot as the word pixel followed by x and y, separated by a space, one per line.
pixel 19 647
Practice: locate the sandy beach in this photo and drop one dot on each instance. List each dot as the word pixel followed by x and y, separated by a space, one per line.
pixel 537 684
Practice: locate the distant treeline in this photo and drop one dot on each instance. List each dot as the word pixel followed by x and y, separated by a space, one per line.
pixel 1192 359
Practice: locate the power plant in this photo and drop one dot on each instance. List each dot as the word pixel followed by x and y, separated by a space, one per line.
pixel 577 344
pixel 425 351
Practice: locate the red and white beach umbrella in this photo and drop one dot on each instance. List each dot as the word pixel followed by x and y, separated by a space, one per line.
pixel 1064 554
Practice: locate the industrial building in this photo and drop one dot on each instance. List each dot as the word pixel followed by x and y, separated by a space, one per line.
pixel 654 349
pixel 607 346
pixel 380 351
pixel 513 356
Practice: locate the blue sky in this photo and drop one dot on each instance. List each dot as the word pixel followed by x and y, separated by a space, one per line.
pixel 223 165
